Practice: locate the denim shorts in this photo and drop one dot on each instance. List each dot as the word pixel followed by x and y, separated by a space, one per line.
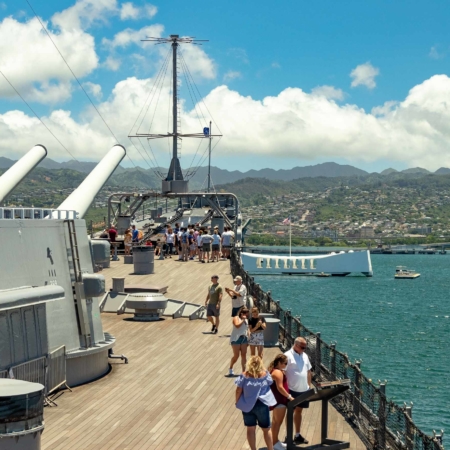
pixel 259 415
pixel 241 340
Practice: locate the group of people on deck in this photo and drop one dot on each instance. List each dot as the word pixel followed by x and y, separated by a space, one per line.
pixel 188 242
pixel 198 242
pixel 260 390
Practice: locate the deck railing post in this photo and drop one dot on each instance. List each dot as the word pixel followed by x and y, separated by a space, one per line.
pixel 333 361
pixel 409 428
pixel 357 389
pixel 381 435
pixel 288 318
pixel 318 358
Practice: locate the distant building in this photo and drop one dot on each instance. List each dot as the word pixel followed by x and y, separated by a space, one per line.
pixel 367 232
pixel 423 230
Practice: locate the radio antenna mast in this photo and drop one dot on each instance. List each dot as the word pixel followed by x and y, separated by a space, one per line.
pixel 174 181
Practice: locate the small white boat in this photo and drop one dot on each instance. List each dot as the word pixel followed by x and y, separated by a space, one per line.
pixel 401 272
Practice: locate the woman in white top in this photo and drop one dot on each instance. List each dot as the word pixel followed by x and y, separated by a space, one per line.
pixel 239 339
pixel 170 240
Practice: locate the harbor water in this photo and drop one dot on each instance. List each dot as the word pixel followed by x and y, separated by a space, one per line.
pixel 398 328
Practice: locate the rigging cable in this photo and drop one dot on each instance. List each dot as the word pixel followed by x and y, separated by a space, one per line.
pixel 194 102
pixel 205 156
pixel 161 82
pixel 159 79
pixel 200 101
pixel 200 96
pixel 150 93
pixel 78 81
pixel 40 120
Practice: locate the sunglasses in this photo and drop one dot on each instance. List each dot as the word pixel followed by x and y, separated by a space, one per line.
pixel 301 346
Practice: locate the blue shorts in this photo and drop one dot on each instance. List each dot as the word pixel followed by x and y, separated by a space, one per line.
pixel 241 340
pixel 259 415
pixel 296 394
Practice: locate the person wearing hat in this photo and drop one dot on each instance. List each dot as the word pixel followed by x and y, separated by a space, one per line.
pixel 213 300
pixel 238 295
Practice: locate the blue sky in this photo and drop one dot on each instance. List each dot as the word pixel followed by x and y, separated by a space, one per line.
pixel 259 50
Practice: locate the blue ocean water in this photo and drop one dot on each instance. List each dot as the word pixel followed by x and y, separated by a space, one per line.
pixel 399 328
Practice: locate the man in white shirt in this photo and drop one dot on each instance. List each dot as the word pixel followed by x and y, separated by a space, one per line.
pixel 299 378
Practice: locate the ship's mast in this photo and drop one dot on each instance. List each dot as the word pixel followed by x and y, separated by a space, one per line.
pixel 175 105
pixel 174 181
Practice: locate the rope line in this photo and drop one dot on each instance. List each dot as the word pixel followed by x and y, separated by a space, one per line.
pixel 77 80
pixel 40 120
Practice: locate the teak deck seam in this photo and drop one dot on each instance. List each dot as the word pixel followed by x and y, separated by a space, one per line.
pixel 173 394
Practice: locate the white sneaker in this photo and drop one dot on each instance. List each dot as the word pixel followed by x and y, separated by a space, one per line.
pixel 230 372
pixel 279 446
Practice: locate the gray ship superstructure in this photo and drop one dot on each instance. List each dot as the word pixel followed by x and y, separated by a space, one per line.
pixel 48 287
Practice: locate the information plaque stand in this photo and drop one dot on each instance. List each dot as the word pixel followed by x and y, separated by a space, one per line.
pixel 324 392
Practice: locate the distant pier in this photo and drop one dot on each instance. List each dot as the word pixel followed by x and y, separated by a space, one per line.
pixel 419 250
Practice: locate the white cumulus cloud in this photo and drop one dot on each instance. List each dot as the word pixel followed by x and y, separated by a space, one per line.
pixel 294 123
pixel 84 13
pixel 364 75
pixel 129 11
pixel 131 36
pixel 31 62
pixel 329 92
pixel 94 89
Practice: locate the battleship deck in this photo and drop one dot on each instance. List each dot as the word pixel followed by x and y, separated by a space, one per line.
pixel 173 393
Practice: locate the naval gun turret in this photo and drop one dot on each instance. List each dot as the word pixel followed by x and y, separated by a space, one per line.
pixel 16 173
pixel 50 326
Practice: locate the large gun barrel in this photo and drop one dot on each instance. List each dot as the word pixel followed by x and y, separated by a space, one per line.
pixel 16 173
pixel 82 197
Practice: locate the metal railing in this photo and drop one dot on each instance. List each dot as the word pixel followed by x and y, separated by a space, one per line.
pixel 56 371
pixel 33 371
pixel 36 213
pixel 48 370
pixel 380 423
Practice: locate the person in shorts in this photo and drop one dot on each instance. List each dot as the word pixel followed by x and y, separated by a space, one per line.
pixel 213 300
pixel 226 243
pixel 215 246
pixel 206 239
pixel 239 339
pixel 280 390
pixel 238 295
pixel 299 378
pixel 253 398
pixel 256 326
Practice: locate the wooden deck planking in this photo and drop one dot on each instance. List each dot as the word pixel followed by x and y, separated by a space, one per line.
pixel 173 393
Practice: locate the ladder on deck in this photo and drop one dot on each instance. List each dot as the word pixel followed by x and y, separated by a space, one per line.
pixel 78 286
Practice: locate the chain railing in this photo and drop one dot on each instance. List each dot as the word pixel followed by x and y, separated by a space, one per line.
pixel 380 423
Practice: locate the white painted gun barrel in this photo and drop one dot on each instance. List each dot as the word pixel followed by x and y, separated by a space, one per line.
pixel 16 173
pixel 82 197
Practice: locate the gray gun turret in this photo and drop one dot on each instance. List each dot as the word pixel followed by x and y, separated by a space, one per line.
pixel 82 197
pixel 16 173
